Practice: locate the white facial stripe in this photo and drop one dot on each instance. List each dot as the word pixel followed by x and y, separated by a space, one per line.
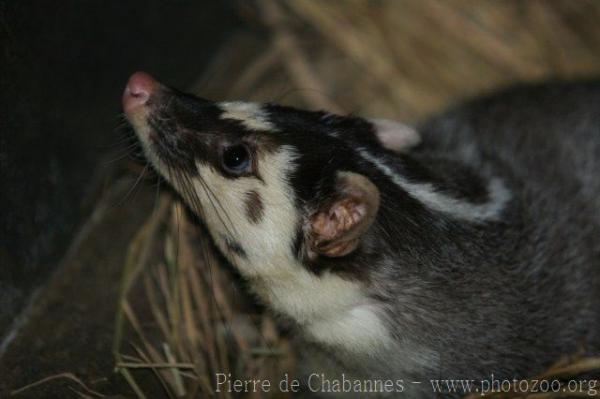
pixel 433 199
pixel 252 115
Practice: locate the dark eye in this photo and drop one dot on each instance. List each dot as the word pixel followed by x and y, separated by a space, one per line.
pixel 236 159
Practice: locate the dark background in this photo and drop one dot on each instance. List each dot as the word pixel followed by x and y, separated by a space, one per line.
pixel 63 66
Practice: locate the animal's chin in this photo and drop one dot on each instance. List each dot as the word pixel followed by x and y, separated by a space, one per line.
pixel 148 140
pixel 144 133
pixel 152 137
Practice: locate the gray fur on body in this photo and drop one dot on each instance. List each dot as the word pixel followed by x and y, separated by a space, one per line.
pixel 508 298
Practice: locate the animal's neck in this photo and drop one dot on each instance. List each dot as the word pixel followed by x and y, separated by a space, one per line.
pixel 328 309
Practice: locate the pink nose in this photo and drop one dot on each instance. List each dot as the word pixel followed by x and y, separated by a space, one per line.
pixel 138 90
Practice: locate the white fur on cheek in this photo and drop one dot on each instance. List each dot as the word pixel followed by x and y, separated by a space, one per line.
pixel 267 243
pixel 332 310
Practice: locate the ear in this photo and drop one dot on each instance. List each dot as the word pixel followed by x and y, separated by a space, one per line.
pixel 337 228
pixel 394 135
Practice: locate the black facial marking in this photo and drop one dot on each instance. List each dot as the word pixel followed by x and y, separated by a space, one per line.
pixel 254 207
pixel 234 246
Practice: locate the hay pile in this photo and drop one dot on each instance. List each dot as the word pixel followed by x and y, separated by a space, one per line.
pixel 397 59
pixel 194 323
pixel 403 59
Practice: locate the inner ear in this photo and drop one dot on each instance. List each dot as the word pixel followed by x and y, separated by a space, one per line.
pixel 394 135
pixel 337 227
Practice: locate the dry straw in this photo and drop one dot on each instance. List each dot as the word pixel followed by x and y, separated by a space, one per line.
pixel 189 327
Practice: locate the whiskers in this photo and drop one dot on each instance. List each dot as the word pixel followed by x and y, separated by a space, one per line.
pixel 132 151
pixel 133 187
pixel 200 203
pixel 126 145
pixel 187 188
pixel 157 194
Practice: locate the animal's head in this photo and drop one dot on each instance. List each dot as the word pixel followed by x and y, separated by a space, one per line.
pixel 272 183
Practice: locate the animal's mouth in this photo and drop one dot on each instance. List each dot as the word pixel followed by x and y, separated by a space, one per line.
pixel 144 103
pixel 158 115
